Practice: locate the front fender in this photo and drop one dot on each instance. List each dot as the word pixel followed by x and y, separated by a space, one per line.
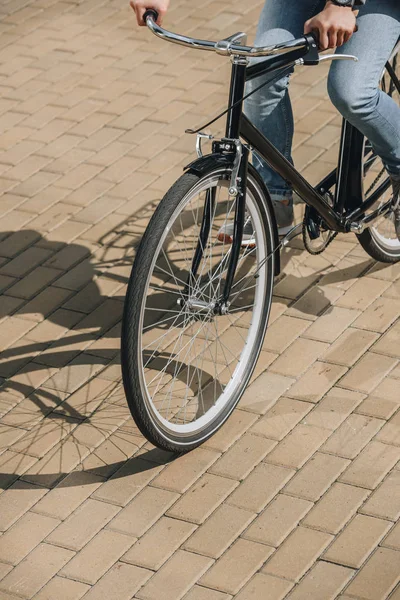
pixel 205 164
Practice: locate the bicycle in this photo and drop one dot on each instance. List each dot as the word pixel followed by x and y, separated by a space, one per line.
pixel 197 308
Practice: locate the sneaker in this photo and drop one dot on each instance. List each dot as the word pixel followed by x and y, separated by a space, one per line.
pixel 225 234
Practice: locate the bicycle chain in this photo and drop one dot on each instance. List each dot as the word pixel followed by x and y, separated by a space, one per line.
pixel 311 250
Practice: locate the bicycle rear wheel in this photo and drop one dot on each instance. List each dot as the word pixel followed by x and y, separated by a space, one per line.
pixel 380 240
pixel 184 367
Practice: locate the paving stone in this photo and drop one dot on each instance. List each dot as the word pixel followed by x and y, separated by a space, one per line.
pixel 61 587
pixel 357 541
pixel 219 531
pixel 352 436
pixel 176 577
pixel 23 536
pixel 371 465
pixel 202 498
pixel 297 554
pixel 236 566
pixel 119 583
pixel 367 585
pixel 316 476
pixel 180 474
pixel 385 501
pixel 316 381
pixel 281 418
pixel 265 586
pixel 97 556
pixel 325 580
pixel 36 570
pixel 143 511
pixel 279 518
pixel 298 446
pixel 238 461
pixel 258 488
pixel 159 543
pixel 336 507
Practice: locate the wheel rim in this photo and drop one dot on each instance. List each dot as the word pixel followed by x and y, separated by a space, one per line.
pixel 188 374
pixel 383 230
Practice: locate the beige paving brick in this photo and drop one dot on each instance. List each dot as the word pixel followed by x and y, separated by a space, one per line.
pixel 258 488
pixel 23 536
pixel 219 531
pixel 202 498
pixel 36 570
pixel 383 401
pixel 316 381
pixel 82 525
pixel 316 476
pixel 68 495
pixel 281 418
pixel 385 501
pixel 97 556
pixel 279 518
pixel 182 472
pixel 33 283
pixel 12 466
pixel 143 511
pixel 363 293
pixel 352 436
pixel 42 437
pixel 389 343
pixel 236 566
pixel 298 357
pixel 380 315
pixel 264 391
pixel 330 325
pixel 297 553
pixel 121 581
pixel 200 593
pixel 265 586
pixel 389 433
pixel 368 372
pixel 324 580
pixel 239 460
pixel 159 543
pixel 61 587
pixel 357 541
pixel 176 577
pixel 128 481
pixel 16 500
pixel 283 332
pixel 393 539
pixel 350 346
pixel 332 410
pixel 336 508
pixel 367 585
pixel 298 446
pixel 239 422
pixel 371 465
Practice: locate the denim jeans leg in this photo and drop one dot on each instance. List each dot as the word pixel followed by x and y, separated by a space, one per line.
pixel 353 86
pixel 270 108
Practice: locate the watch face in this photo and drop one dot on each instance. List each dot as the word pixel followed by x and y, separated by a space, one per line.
pixel 343 2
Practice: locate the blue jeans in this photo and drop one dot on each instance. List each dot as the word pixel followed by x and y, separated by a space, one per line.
pixel 352 86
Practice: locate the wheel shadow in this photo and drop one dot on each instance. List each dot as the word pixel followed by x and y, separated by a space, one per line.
pixel 40 394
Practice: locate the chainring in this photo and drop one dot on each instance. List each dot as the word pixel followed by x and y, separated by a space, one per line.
pixel 316 236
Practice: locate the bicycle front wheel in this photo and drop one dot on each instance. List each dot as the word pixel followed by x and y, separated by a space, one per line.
pixel 184 366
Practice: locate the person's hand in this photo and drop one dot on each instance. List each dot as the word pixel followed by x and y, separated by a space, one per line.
pixel 140 7
pixel 334 25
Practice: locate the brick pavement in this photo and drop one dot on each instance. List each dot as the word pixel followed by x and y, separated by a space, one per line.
pixel 298 495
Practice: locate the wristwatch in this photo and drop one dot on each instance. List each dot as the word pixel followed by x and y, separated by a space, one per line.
pixel 348 3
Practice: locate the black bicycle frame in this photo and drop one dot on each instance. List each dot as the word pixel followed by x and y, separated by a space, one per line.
pixel 349 204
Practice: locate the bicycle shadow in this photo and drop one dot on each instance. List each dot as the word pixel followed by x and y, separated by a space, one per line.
pixel 87 324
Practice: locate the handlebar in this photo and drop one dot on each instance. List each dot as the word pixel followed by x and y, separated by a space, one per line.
pixel 229 46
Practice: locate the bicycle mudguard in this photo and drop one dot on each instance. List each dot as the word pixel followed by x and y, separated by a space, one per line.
pixel 205 164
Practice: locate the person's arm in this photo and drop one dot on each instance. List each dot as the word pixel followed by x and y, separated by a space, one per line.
pixel 140 7
pixel 335 25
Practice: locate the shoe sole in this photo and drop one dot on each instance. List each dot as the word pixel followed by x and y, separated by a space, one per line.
pixel 228 239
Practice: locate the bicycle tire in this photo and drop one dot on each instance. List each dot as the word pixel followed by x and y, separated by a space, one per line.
pixel 141 409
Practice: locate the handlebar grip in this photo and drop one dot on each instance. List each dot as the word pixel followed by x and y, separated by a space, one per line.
pixel 153 14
